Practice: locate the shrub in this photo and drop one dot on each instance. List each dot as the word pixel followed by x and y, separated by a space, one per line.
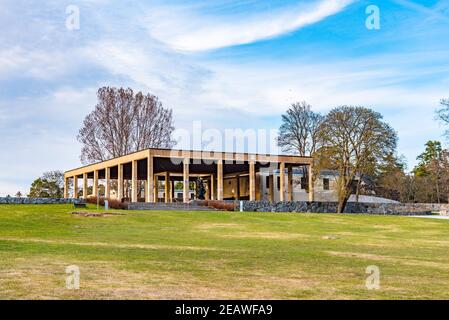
pixel 203 203
pixel 220 205
pixel 93 200
pixel 117 204
pixel 113 203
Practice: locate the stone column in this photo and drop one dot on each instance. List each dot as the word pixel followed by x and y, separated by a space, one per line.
pixel 290 183
pixel 207 195
pixel 85 186
pixel 311 186
pixel 107 186
pixel 237 191
pixel 120 182
pixel 186 187
pixel 156 189
pixel 220 180
pixel 252 180
pixel 66 188
pixel 75 187
pixel 212 187
pixel 150 180
pixel 271 186
pixel 134 180
pixel 95 186
pixel 167 187
pixel 282 181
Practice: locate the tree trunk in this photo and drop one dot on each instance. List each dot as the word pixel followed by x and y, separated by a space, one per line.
pixel 357 191
pixel 305 174
pixel 438 190
pixel 343 200
pixel 342 204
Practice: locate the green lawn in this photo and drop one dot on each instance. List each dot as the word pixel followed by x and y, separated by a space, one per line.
pixel 217 255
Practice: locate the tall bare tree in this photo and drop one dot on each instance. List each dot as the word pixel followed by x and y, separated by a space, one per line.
pixel 353 138
pixel 443 113
pixel 123 122
pixel 299 130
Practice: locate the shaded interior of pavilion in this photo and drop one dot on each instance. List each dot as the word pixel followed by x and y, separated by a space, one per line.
pixel 229 181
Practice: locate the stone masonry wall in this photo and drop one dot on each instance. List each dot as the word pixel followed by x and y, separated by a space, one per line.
pixel 351 207
pixel 292 206
pixel 13 200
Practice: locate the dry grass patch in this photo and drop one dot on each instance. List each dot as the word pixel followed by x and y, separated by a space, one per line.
pixel 266 235
pixel 44 278
pixel 409 261
pixel 112 245
pixel 214 226
pixel 366 256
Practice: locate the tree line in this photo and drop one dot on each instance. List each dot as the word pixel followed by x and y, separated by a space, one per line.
pixel 362 148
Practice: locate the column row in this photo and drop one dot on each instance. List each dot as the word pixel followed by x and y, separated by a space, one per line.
pixel 151 192
pixel 290 191
pixel 151 185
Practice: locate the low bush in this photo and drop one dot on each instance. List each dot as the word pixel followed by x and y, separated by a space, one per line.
pixel 93 200
pixel 203 203
pixel 218 204
pixel 117 204
pixel 113 203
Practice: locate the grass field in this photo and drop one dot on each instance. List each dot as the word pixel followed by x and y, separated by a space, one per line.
pixel 218 255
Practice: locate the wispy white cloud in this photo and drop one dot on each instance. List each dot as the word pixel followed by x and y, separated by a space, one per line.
pixel 150 66
pixel 225 94
pixel 189 30
pixel 40 64
pixel 40 134
pixel 437 12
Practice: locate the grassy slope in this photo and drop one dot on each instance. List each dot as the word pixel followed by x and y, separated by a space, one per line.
pixel 220 255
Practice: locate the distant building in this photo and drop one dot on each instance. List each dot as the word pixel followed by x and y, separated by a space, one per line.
pixel 325 188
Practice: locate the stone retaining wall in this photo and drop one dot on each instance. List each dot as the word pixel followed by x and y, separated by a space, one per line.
pixel 13 200
pixel 351 207
pixel 291 206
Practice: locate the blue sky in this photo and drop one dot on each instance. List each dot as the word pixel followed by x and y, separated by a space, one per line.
pixel 230 64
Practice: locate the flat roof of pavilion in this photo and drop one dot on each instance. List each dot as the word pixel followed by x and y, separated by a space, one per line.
pixel 203 155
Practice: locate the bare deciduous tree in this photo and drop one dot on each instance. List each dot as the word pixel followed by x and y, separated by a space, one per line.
pixel 123 122
pixel 354 138
pixel 443 113
pixel 299 130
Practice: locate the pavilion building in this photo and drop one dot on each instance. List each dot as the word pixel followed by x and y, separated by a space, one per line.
pixel 139 176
